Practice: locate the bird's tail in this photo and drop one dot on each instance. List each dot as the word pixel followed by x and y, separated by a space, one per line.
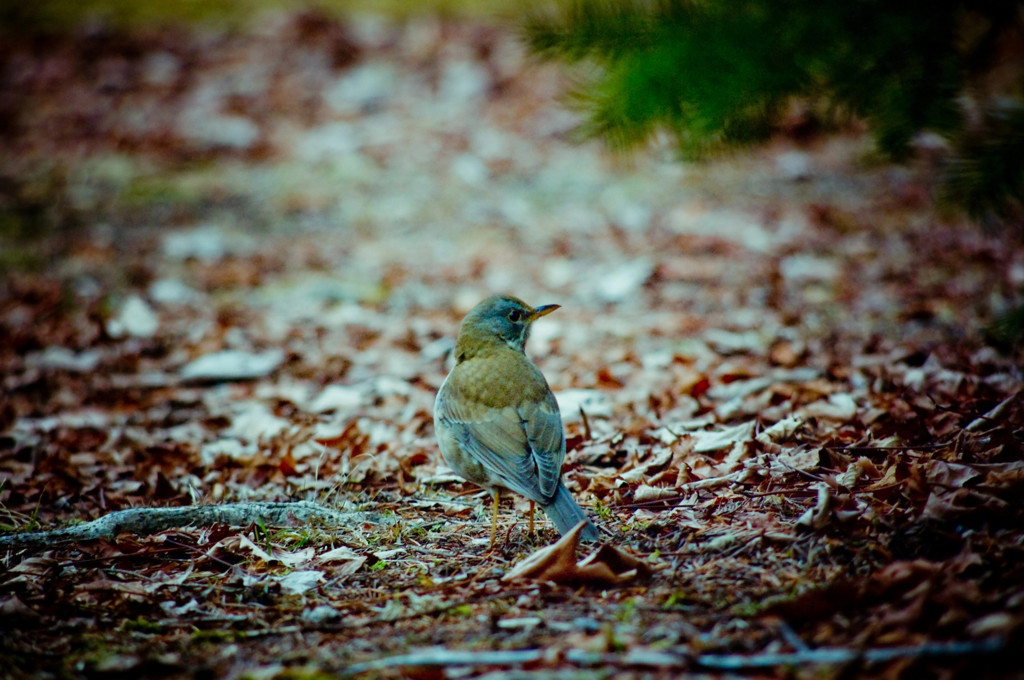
pixel 566 513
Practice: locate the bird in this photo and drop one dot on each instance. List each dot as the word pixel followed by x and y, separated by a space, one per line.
pixel 496 420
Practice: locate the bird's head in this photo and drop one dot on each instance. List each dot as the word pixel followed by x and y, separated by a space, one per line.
pixel 500 318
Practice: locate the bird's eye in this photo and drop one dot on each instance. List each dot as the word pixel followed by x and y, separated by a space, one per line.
pixel 515 316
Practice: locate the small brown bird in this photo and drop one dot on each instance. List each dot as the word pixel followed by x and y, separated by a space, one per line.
pixel 496 420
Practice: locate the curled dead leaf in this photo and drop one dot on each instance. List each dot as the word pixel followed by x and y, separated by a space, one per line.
pixel 862 467
pixel 780 431
pixel 959 503
pixel 645 492
pixel 13 609
pixel 840 407
pixel 604 566
pixel 818 516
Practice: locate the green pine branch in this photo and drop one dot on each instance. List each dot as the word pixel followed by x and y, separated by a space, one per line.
pixel 721 74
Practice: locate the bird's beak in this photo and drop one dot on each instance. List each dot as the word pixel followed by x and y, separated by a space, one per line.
pixel 543 310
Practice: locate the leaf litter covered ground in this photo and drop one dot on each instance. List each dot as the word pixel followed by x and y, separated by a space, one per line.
pixel 255 251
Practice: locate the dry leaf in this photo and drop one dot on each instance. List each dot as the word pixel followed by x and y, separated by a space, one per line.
pixel 605 566
pixel 245 544
pixel 855 470
pixel 707 442
pixel 645 492
pixel 818 516
pixel 297 582
pixel 780 431
pixel 841 407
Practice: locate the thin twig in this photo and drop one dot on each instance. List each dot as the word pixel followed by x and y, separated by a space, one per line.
pixel 587 434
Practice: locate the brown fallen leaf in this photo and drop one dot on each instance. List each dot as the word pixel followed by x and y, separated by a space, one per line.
pixel 604 566
pixel 349 560
pixel 13 609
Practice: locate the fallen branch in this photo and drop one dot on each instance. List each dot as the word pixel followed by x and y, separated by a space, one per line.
pixel 834 656
pixel 439 657
pixel 145 521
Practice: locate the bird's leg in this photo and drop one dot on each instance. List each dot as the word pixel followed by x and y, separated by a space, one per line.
pixel 496 492
pixel 531 519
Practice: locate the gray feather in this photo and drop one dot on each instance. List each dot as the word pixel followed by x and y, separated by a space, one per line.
pixel 565 513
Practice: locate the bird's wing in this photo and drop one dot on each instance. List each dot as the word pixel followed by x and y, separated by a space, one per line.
pixel 542 423
pixel 522 446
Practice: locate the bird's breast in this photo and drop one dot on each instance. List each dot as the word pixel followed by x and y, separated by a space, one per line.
pixel 498 380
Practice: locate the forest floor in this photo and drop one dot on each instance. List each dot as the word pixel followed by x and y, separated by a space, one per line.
pixel 234 265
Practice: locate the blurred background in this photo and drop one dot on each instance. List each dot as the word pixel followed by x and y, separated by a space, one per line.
pixel 435 152
pixel 237 240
